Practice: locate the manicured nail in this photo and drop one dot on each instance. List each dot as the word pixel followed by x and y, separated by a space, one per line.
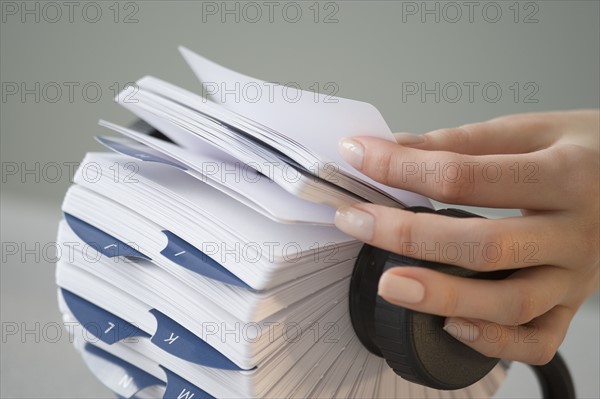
pixel 400 289
pixel 355 222
pixel 409 138
pixel 352 151
pixel 461 329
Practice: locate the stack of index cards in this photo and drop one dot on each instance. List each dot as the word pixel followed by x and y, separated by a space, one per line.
pixel 207 263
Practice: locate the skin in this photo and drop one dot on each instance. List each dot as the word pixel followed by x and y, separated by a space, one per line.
pixel 549 167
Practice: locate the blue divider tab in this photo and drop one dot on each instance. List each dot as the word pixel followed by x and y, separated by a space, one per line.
pixel 102 324
pixel 188 256
pixel 180 388
pixel 169 336
pixel 178 341
pixel 104 243
pixel 122 377
pixel 177 250
pixel 126 380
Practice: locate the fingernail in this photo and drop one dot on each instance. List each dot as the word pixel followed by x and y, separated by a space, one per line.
pixel 461 329
pixel 355 222
pixel 352 151
pixel 409 138
pixel 400 288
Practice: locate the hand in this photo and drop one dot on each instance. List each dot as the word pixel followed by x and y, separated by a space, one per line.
pixel 547 165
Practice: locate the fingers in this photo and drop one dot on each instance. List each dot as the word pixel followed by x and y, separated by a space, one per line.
pixel 534 343
pixel 516 300
pixel 543 162
pixel 518 318
pixel 514 134
pixel 474 243
pixel 533 181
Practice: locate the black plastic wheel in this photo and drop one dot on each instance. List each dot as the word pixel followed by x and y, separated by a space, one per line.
pixel 414 344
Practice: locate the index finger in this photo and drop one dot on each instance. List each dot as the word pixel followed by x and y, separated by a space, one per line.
pixel 527 181
pixel 512 134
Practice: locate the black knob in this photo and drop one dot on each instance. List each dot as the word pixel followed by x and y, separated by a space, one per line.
pixel 414 344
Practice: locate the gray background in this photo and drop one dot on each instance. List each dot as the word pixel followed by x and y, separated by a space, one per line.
pixel 371 52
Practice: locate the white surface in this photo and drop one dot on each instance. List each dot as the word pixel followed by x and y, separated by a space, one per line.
pixel 41 366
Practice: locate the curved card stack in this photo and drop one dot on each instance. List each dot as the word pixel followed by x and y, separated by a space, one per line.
pixel 204 259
